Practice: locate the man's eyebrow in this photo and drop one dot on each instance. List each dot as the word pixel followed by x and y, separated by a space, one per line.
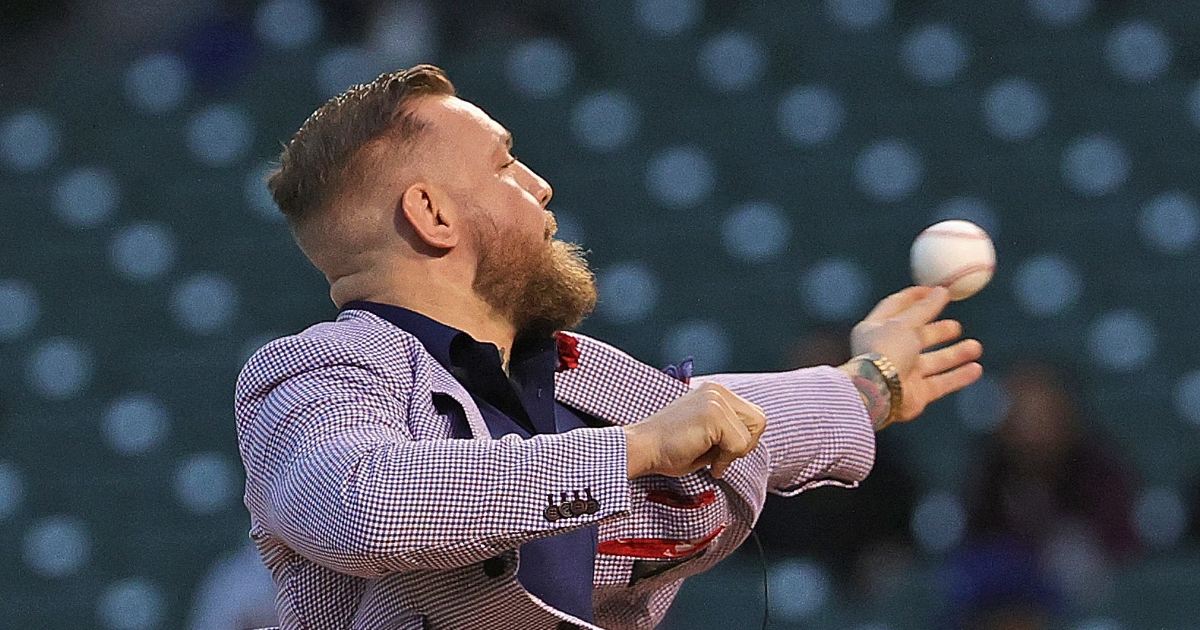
pixel 508 139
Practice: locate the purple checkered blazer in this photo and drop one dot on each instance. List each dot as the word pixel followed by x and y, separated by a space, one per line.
pixel 370 517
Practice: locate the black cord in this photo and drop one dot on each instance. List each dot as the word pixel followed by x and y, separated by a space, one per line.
pixel 762 559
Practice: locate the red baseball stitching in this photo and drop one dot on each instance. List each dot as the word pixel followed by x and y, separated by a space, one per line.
pixel 964 272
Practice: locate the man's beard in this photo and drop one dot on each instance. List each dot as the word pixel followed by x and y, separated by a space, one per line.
pixel 541 287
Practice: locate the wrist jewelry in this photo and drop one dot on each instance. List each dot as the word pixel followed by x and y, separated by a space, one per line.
pixel 891 376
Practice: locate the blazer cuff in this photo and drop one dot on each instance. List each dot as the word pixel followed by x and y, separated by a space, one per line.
pixel 818 431
pixel 845 452
pixel 593 486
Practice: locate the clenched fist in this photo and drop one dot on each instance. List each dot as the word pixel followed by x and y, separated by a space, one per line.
pixel 708 426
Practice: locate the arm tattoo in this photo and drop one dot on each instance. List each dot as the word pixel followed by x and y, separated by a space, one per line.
pixel 873 388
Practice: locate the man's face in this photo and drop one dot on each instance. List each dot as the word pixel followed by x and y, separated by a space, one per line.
pixel 470 154
pixel 541 284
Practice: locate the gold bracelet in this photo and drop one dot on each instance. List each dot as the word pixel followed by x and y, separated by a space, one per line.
pixel 891 376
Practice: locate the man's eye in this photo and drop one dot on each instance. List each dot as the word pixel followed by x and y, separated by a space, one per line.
pixel 510 162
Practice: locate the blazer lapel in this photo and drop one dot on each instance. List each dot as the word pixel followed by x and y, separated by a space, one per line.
pixel 442 382
pixel 610 385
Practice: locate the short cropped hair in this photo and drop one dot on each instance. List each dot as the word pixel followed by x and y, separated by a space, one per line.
pixel 325 157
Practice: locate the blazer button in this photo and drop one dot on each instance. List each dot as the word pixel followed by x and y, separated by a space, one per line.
pixel 493 567
pixel 578 506
pixel 564 508
pixel 566 625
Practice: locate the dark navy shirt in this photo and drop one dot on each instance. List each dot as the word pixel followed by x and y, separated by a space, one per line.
pixel 557 569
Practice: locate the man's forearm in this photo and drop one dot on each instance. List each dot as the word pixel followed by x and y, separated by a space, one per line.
pixel 818 430
pixel 365 501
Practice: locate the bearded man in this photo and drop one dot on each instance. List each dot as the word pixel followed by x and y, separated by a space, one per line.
pixel 445 455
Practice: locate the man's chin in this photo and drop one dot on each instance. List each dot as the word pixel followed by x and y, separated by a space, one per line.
pixel 546 325
pixel 541 292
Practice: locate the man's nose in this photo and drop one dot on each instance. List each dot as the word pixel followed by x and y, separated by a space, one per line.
pixel 539 187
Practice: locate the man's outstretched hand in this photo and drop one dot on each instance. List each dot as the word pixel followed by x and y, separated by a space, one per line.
pixel 709 425
pixel 904 328
pixel 712 426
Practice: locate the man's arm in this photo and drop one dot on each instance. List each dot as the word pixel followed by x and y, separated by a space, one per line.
pixel 820 419
pixel 708 426
pixel 872 386
pixel 333 470
pixel 818 431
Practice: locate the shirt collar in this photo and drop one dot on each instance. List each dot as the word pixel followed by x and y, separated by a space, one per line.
pixel 444 342
pixel 434 335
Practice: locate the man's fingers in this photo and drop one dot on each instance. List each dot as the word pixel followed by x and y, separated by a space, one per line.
pixel 755 422
pixel 717 469
pixel 949 382
pixel 950 357
pixel 939 332
pixel 751 415
pixel 896 303
pixel 926 309
pixel 709 426
pixel 735 440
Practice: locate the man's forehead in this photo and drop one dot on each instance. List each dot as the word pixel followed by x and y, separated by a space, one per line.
pixel 455 115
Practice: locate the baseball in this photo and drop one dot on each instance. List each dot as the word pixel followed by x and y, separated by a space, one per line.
pixel 954 254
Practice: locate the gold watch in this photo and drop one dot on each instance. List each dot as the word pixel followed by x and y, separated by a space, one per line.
pixel 891 376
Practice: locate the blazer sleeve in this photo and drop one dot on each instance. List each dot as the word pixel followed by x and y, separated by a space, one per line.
pixel 334 471
pixel 818 431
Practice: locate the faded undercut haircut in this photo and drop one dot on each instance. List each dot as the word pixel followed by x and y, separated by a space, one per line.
pixel 327 156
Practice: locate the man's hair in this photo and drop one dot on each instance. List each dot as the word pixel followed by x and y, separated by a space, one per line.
pixel 326 157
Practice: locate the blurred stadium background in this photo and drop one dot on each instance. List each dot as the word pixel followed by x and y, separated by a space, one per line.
pixel 745 172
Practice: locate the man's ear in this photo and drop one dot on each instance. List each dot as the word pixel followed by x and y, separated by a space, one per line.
pixel 428 216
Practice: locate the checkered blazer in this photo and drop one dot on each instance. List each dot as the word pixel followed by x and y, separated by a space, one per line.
pixel 370 517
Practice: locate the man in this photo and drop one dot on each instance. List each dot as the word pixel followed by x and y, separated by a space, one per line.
pixel 444 456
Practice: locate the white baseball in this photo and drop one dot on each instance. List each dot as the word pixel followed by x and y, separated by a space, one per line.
pixel 955 254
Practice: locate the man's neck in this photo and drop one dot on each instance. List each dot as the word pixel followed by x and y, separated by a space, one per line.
pixel 467 313
pixel 441 293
